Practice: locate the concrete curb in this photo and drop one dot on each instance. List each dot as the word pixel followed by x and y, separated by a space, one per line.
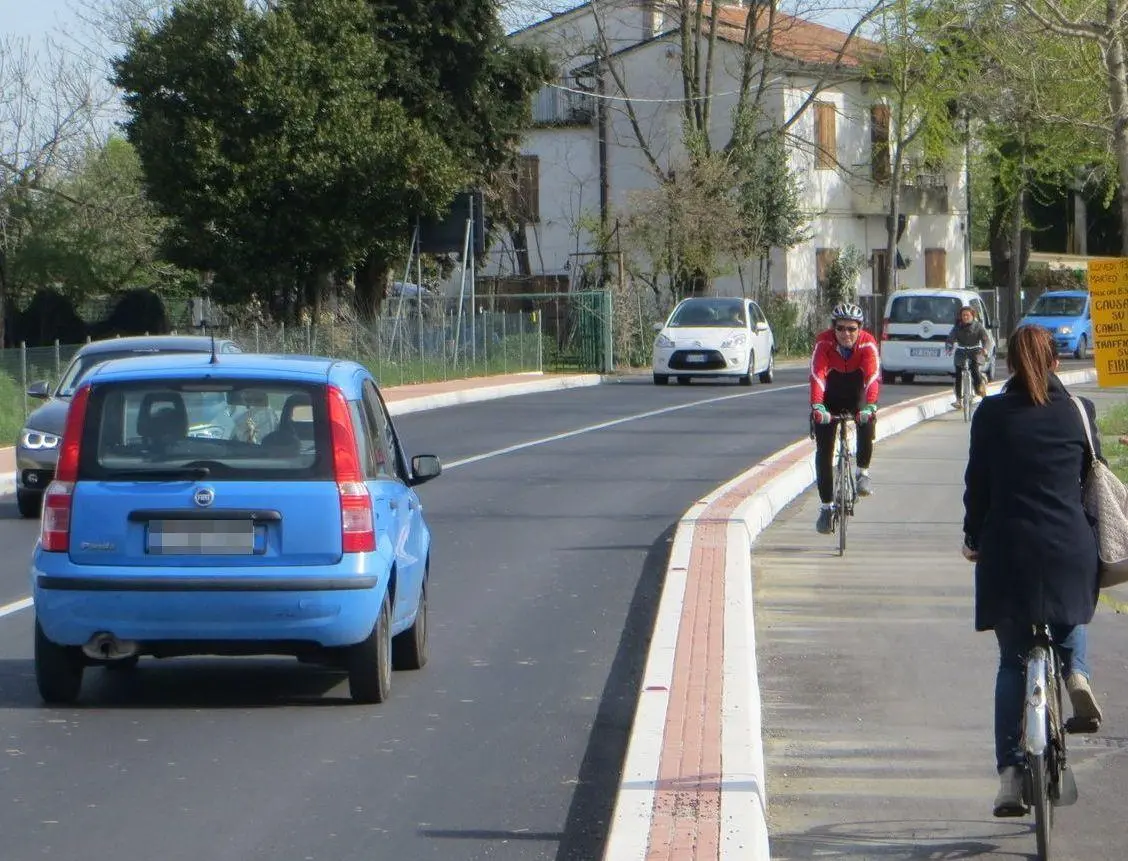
pixel 489 393
pixel 777 481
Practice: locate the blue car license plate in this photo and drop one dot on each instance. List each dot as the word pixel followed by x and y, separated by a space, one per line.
pixel 201 537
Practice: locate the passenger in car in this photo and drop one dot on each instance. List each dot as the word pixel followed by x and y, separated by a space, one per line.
pixel 258 420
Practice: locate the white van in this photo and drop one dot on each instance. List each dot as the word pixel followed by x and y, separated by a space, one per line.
pixel 917 321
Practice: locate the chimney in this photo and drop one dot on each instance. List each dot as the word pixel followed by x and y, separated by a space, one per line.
pixel 651 18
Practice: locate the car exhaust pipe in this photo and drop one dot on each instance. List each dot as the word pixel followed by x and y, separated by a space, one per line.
pixel 104 646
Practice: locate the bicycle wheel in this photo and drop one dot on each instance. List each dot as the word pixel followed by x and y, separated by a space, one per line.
pixel 842 501
pixel 1041 802
pixel 965 393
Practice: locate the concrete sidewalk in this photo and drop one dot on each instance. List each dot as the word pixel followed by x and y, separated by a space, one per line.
pixel 878 693
pixel 796 651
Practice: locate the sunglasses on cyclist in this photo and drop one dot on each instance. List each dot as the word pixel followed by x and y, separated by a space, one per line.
pixel 850 329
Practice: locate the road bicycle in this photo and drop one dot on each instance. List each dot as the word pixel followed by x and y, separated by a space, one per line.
pixel 964 357
pixel 1049 781
pixel 845 484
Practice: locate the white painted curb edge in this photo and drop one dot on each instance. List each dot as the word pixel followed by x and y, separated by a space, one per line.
pixel 489 393
pixel 744 833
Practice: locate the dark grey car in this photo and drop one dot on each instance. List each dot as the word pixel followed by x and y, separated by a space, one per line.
pixel 37 449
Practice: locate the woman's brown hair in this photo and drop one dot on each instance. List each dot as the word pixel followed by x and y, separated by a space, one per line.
pixel 1031 357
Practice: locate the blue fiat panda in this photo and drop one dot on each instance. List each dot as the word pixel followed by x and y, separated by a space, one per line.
pixel 231 505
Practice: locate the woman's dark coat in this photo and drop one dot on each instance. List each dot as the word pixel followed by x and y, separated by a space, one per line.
pixel 1022 510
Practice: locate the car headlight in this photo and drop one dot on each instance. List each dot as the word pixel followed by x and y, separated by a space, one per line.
pixel 37 440
pixel 1065 330
pixel 663 341
pixel 737 340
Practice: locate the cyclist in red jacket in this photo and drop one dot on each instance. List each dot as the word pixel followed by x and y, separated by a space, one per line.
pixel 845 377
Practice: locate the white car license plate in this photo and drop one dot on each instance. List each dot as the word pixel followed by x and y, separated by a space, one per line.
pixel 925 352
pixel 201 537
pixel 695 357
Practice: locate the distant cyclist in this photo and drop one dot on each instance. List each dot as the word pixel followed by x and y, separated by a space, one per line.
pixel 974 342
pixel 845 377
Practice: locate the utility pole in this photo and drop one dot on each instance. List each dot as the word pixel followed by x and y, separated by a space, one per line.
pixel 604 179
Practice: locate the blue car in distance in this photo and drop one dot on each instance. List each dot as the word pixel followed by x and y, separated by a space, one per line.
pixel 1066 314
pixel 292 529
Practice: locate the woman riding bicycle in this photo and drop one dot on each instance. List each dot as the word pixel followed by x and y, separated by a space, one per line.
pixel 845 377
pixel 1033 545
pixel 973 341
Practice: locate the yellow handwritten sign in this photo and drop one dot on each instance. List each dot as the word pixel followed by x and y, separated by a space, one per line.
pixel 1108 297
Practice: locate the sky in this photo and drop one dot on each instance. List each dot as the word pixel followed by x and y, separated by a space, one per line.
pixel 34 18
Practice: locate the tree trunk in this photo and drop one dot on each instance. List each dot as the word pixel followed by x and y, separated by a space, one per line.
pixel 520 239
pixel 891 233
pixel 1014 285
pixel 1118 97
pixel 371 286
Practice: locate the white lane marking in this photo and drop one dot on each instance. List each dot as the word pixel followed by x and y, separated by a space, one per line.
pixel 604 425
pixel 15 607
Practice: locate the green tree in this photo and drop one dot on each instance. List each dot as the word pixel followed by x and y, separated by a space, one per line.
pixel 95 233
pixel 842 277
pixel 263 138
pixel 293 142
pixel 921 75
pixel 767 195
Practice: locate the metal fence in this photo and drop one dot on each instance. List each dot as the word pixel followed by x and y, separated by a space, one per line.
pixel 398 350
pixel 414 341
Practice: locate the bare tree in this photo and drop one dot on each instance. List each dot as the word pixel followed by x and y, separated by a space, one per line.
pixel 50 110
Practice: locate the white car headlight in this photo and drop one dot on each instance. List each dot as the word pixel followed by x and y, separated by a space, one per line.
pixel 37 440
pixel 737 340
pixel 1065 330
pixel 663 341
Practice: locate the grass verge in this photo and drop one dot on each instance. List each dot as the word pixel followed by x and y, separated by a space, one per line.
pixel 1113 424
pixel 11 410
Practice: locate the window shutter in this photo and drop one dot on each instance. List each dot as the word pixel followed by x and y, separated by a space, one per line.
pixel 879 142
pixel 524 189
pixel 935 267
pixel 826 138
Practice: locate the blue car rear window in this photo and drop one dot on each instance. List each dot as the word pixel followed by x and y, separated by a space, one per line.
pixel 237 429
pixel 1058 306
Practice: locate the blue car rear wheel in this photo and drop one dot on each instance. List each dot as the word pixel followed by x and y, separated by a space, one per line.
pixel 58 670
pixel 370 661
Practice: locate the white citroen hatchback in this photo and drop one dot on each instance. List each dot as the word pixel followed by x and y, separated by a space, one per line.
pixel 714 336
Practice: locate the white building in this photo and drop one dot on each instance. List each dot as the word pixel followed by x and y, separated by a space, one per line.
pixel 564 170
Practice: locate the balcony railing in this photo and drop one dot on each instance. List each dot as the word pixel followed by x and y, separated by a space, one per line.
pixel 563 105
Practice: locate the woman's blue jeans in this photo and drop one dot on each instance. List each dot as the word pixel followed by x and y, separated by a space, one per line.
pixel 1010 682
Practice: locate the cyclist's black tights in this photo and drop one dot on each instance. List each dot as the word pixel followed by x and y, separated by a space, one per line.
pixel 826 437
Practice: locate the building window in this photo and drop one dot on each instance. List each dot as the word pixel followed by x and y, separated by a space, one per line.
pixel 879 142
pixel 826 137
pixel 935 267
pixel 525 189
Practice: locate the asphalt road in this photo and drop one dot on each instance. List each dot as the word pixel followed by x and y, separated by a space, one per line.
pixel 551 526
